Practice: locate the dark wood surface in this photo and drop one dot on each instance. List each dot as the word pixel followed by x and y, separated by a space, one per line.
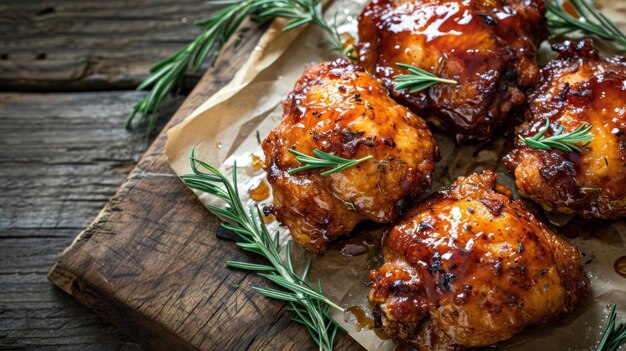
pixel 85 45
pixel 150 263
pixel 62 156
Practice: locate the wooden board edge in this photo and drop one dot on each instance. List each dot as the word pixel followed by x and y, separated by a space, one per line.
pixel 152 334
pixel 133 323
pixel 144 329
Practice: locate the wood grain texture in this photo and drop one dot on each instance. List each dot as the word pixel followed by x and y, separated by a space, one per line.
pixel 151 264
pixel 62 156
pixel 64 45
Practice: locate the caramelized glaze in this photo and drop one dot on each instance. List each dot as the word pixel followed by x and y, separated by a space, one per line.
pixel 578 87
pixel 259 192
pixel 339 108
pixel 488 47
pixel 469 267
pixel 364 321
pixel 257 163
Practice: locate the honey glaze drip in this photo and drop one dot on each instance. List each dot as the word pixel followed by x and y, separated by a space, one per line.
pixel 620 266
pixel 257 163
pixel 260 192
pixel 569 8
pixel 269 218
pixel 363 320
pixel 254 165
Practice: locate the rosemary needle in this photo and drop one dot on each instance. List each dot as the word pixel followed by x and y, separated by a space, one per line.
pixel 614 335
pixel 219 27
pixel 591 21
pixel 324 160
pixel 560 140
pixel 418 79
pixel 308 303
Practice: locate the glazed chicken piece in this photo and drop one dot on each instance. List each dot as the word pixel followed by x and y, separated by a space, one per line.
pixel 488 47
pixel 577 88
pixel 468 267
pixel 340 109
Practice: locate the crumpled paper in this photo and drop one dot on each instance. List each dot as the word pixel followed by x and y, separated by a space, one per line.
pixel 229 125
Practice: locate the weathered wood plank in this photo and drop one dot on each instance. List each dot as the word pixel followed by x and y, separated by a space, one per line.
pixel 151 264
pixel 34 315
pixel 74 45
pixel 67 151
pixel 62 156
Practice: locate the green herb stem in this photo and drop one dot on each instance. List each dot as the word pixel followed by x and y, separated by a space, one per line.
pixel 418 79
pixel 590 22
pixel 614 335
pixel 567 142
pixel 219 27
pixel 308 303
pixel 324 160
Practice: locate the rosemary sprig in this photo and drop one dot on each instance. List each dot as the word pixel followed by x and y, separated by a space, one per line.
pixel 591 21
pixel 559 140
pixel 218 29
pixel 324 160
pixel 418 79
pixel 614 335
pixel 309 303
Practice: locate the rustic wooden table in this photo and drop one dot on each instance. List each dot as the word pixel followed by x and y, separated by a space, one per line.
pixel 67 70
pixel 66 76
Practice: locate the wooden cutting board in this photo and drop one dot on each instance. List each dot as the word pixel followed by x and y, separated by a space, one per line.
pixel 151 264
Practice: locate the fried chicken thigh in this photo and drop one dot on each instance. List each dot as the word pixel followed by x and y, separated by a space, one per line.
pixel 488 47
pixel 340 109
pixel 469 267
pixel 577 88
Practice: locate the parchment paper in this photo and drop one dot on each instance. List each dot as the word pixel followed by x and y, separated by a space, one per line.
pixel 225 129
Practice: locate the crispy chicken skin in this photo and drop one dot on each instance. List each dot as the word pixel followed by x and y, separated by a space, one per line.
pixel 578 87
pixel 488 47
pixel 339 108
pixel 469 267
